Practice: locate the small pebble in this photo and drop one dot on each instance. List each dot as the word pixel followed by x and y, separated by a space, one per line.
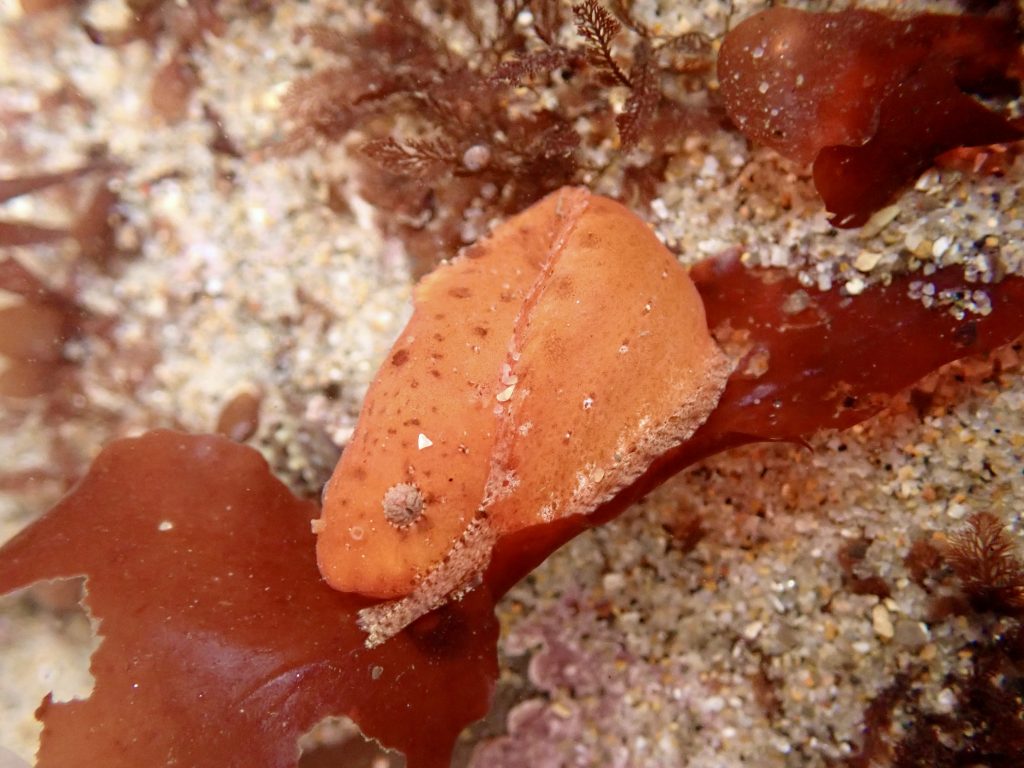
pixel 881 622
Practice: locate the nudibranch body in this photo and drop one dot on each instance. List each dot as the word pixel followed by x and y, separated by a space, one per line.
pixel 542 372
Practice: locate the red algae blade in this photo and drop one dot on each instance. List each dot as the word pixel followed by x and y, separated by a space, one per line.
pixel 23 185
pixel 24 233
pixel 221 644
pixel 870 100
pixel 825 360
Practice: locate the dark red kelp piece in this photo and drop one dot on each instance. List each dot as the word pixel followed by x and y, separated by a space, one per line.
pixel 824 360
pixel 870 100
pixel 221 644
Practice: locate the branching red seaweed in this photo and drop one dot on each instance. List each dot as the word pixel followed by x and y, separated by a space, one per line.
pixel 985 560
pixel 985 724
pixel 450 138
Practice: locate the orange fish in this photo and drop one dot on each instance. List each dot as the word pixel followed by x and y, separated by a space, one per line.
pixel 542 372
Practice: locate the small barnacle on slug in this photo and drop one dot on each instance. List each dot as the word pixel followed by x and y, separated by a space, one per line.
pixel 403 504
pixel 546 284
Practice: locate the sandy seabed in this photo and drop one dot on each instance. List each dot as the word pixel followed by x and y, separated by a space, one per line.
pixel 623 649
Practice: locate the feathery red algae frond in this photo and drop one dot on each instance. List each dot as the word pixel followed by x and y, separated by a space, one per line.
pixel 986 561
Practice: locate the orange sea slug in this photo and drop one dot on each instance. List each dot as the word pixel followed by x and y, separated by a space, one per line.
pixel 542 372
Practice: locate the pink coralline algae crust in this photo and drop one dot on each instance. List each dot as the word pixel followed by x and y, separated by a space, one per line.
pixel 221 643
pixel 542 731
pixel 870 100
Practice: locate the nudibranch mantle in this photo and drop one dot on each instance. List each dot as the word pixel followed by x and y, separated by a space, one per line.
pixel 541 373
